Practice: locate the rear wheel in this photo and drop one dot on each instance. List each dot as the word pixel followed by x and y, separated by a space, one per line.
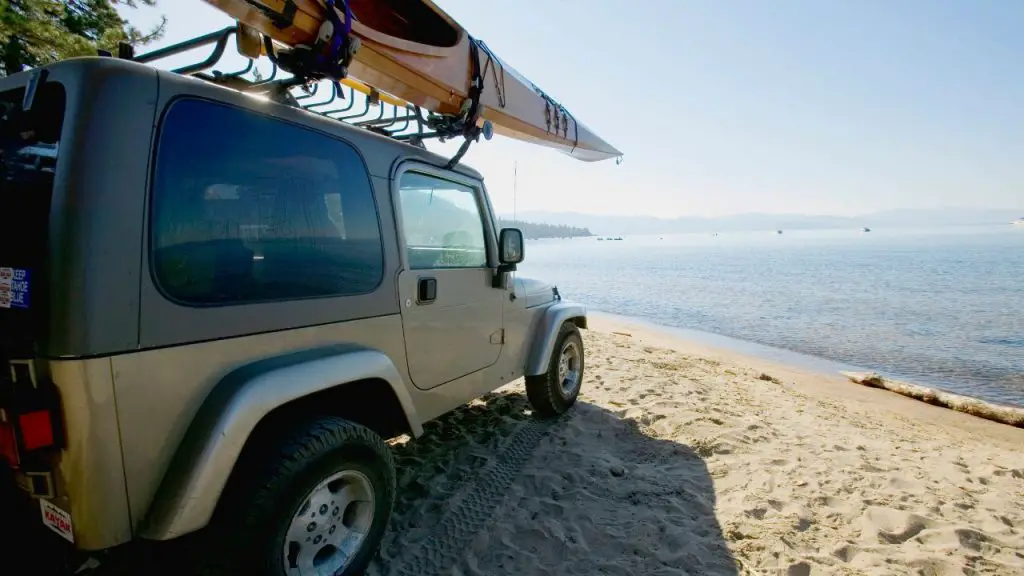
pixel 555 391
pixel 319 506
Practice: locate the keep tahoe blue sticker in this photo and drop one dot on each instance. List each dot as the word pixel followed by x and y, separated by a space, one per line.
pixel 14 284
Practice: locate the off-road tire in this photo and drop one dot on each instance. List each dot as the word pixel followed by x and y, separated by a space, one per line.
pixel 248 532
pixel 545 391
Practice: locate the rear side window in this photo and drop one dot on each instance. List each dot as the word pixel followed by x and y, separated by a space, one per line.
pixel 247 208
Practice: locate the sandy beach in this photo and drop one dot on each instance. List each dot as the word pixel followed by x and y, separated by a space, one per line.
pixel 681 459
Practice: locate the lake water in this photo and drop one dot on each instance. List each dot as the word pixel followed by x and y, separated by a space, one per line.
pixel 942 307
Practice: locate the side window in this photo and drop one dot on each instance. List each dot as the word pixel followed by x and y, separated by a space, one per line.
pixel 442 223
pixel 247 208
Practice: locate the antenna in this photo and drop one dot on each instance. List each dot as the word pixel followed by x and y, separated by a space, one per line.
pixel 515 179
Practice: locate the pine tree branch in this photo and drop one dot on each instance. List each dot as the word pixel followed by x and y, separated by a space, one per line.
pixel 37 32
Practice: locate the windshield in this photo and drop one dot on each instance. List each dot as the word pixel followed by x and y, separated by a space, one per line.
pixel 29 147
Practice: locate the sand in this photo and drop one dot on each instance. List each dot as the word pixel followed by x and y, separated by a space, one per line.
pixel 680 459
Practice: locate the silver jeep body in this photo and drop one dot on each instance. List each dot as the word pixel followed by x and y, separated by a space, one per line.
pixel 159 391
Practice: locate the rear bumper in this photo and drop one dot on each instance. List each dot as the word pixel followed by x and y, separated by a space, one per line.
pixel 27 546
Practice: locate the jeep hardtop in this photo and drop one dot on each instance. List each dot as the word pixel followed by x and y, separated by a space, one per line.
pixel 215 308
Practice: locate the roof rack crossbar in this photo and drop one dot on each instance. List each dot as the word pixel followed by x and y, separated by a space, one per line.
pixel 237 73
pixel 380 121
pixel 334 96
pixel 185 46
pixel 406 120
pixel 218 52
pixel 403 123
pixel 373 121
pixel 351 104
pixel 366 110
pixel 219 38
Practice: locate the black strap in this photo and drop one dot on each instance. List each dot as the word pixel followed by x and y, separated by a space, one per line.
pixel 555 110
pixel 575 129
pixel 470 130
pixel 498 68
pixel 476 89
pixel 280 20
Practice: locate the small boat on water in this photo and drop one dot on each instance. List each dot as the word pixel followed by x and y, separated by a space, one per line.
pixel 1018 221
pixel 865 229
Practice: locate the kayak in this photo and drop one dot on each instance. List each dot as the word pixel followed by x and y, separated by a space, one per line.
pixel 418 54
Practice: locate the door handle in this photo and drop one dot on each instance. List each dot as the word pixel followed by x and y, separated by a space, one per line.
pixel 426 290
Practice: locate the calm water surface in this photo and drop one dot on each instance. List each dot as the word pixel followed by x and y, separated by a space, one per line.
pixel 943 307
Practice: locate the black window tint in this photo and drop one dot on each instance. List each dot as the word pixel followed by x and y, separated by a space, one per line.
pixel 248 208
pixel 29 142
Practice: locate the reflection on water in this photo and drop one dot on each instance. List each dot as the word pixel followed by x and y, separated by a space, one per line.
pixel 943 307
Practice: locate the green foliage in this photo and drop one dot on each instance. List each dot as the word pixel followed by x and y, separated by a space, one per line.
pixel 535 230
pixel 39 32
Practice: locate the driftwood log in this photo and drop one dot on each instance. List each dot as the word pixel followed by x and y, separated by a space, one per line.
pixel 1012 415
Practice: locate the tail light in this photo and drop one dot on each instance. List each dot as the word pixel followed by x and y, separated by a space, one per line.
pixel 36 430
pixel 29 414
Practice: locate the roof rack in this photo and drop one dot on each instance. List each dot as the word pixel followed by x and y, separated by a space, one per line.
pixel 365 108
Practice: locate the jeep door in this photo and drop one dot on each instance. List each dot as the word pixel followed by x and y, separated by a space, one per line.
pixel 452 316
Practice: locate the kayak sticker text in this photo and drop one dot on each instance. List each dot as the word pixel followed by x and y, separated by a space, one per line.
pixel 57 520
pixel 14 284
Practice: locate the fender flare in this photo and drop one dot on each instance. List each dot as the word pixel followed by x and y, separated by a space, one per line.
pixel 546 333
pixel 207 454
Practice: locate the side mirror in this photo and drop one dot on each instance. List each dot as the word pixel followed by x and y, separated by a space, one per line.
pixel 510 244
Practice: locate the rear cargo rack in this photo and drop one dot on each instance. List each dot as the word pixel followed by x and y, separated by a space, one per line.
pixel 374 111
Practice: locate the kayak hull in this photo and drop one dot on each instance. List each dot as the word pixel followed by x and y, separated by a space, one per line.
pixel 419 54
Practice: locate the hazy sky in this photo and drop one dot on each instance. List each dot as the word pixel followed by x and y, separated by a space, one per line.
pixel 748 106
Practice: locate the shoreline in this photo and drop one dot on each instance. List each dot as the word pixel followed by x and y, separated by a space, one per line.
pixel 817 377
pixel 713 343
pixel 720 343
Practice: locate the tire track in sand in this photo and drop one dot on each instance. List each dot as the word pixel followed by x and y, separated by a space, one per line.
pixel 473 507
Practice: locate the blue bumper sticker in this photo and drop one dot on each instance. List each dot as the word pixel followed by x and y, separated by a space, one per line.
pixel 14 288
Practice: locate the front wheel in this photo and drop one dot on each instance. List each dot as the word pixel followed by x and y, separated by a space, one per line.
pixel 555 391
pixel 319 506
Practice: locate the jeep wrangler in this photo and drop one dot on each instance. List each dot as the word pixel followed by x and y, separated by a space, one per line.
pixel 215 308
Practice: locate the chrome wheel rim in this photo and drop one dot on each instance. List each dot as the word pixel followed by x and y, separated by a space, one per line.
pixel 329 527
pixel 569 368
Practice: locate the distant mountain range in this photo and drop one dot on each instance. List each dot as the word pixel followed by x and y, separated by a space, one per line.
pixel 608 224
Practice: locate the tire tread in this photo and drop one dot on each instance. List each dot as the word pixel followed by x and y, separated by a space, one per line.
pixel 266 477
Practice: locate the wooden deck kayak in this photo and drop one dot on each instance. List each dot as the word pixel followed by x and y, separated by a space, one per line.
pixel 417 53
